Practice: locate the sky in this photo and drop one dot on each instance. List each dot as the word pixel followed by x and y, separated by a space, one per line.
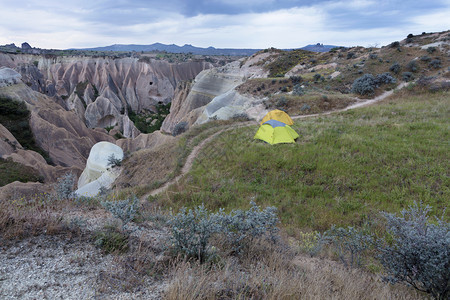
pixel 256 24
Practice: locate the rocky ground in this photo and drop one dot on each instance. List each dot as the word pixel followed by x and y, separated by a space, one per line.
pixel 70 266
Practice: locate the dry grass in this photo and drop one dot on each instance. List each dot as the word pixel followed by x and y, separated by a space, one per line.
pixel 274 273
pixel 30 216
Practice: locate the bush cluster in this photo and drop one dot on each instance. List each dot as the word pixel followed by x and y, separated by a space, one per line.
pixel 125 210
pixel 407 76
pixel 417 251
pixel 395 68
pixel 298 90
pixel 193 229
pixel 385 78
pixel 412 66
pixel 435 63
pixel 364 85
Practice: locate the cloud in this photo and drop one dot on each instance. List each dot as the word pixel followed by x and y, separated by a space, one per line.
pixel 218 23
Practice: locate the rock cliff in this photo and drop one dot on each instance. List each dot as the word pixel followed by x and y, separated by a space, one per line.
pixel 100 91
pixel 214 90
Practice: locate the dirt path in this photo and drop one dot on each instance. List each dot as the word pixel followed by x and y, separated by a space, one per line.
pixel 190 159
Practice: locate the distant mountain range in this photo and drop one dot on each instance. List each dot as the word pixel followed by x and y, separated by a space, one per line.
pixel 197 50
pixel 26 48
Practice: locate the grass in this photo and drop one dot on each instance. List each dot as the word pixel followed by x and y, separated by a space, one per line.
pixel 343 169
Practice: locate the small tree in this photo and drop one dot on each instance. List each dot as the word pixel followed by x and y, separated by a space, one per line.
pixel 418 251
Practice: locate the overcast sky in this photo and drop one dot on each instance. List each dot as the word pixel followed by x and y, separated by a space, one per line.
pixel 218 23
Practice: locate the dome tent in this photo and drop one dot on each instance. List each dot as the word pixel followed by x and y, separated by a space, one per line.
pixel 278 115
pixel 276 132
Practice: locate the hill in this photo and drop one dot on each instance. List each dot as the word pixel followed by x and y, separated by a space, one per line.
pixel 201 209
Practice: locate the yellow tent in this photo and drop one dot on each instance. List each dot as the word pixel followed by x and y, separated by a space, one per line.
pixel 275 132
pixel 278 115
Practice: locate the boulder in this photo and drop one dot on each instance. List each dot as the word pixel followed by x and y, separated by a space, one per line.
pixel 98 172
pixel 9 77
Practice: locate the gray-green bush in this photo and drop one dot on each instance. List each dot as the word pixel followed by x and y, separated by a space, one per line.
pixel 417 251
pixel 395 68
pixel 64 187
pixel 193 229
pixel 241 227
pixel 364 85
pixel 125 210
pixel 349 243
pixel 385 78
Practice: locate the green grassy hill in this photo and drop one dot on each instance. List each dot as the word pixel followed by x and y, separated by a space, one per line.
pixel 344 168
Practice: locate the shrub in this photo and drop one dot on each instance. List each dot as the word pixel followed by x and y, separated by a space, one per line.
pixel 317 77
pixel 240 227
pixel 113 161
pixel 407 76
pixel 410 36
pixel 435 63
pixel 395 44
pixel 282 102
pixel 111 240
pixel 351 55
pixel 412 66
pixel 298 90
pixel 418 251
pixel 385 78
pixel 296 79
pixel 240 117
pixel 191 231
pixel 425 58
pixel 395 68
pixel 373 56
pixel 180 128
pixel 125 210
pixel 431 49
pixel 364 85
pixel 349 243
pixel 64 187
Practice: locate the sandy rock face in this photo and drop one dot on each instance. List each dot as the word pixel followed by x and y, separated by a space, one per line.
pixel 214 90
pixel 98 173
pixel 207 85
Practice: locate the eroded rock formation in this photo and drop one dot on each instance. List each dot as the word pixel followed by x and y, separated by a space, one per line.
pixel 100 91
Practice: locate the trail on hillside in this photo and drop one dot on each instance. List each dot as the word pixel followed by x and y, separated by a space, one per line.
pixel 193 155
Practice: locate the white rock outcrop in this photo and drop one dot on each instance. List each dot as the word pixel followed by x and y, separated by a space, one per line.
pixel 98 173
pixel 9 77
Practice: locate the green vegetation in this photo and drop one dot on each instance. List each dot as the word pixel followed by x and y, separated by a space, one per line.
pixel 15 116
pixel 149 122
pixel 344 168
pixel 11 171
